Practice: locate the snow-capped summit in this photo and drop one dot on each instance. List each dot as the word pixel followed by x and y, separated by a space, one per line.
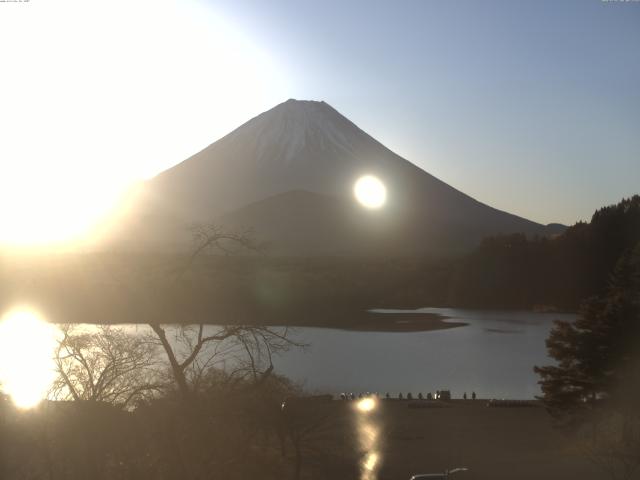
pixel 296 125
pixel 307 147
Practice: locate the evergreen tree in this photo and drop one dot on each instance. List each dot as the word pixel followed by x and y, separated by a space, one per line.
pixel 598 354
pixel 514 271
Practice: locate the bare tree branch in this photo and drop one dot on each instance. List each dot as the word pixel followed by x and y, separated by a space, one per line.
pixel 107 365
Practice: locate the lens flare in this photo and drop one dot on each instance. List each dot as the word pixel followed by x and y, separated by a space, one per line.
pixel 27 347
pixel 370 462
pixel 366 405
pixel 370 192
pixel 368 431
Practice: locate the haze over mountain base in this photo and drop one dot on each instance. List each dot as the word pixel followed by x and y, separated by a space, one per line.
pixel 288 175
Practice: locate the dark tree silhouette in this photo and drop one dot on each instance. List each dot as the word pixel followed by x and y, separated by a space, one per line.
pixel 251 346
pixel 513 271
pixel 596 353
pixel 596 382
pixel 247 350
pixel 105 365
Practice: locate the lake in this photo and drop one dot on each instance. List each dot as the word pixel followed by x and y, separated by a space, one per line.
pixel 493 355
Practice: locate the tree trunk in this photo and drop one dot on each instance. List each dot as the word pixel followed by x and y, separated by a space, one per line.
pixel 176 368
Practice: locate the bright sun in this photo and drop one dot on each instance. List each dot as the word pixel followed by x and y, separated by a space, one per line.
pixel 370 192
pixel 27 347
pixel 366 404
pixel 97 95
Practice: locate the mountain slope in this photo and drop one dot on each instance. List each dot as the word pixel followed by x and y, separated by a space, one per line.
pixel 299 222
pixel 308 148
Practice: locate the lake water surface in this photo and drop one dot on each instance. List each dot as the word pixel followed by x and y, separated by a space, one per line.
pixel 493 355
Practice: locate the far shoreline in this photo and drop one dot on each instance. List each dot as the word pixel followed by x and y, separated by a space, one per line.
pixel 396 322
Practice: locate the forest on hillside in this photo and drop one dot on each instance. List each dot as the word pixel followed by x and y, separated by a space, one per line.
pixel 513 271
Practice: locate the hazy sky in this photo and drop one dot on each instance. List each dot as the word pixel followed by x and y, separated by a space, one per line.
pixel 532 107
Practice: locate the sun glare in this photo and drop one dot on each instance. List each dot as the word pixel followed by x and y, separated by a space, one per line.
pixel 370 192
pixel 98 95
pixel 370 462
pixel 27 347
pixel 368 434
pixel 366 404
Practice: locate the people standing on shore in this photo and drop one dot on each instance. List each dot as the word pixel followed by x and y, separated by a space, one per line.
pixel 473 395
pixel 464 396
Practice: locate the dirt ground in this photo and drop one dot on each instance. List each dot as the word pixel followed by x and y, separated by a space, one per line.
pixel 494 443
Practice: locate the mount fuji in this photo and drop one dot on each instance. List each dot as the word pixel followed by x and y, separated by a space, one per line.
pixel 288 174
